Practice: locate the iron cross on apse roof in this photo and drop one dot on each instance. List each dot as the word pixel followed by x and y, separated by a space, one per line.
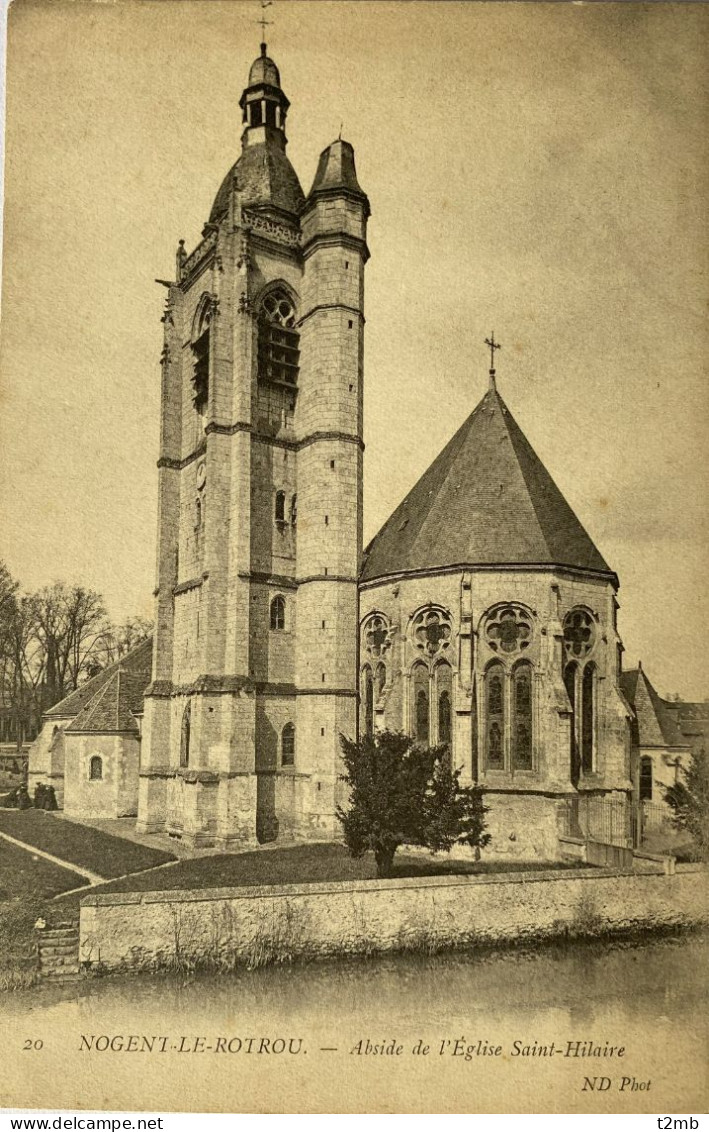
pixel 493 346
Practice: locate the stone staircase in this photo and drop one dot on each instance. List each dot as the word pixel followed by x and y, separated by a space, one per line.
pixel 58 949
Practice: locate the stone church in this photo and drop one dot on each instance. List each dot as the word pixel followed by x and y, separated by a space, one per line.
pixel 481 616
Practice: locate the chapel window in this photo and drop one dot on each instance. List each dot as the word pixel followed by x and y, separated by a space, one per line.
pixel 185 736
pixel 96 768
pixel 278 339
pixel 495 716
pixel 570 685
pixel 381 679
pixel 288 745
pixel 522 717
pixel 278 613
pixel 444 688
pixel 420 688
pixel 646 779
pixel 368 686
pixel 588 713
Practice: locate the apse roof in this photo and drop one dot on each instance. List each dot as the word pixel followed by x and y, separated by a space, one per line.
pixel 486 500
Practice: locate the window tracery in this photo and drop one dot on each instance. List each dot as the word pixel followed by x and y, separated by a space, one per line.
pixel 522 709
pixel 278 339
pixel 509 630
pixel 579 633
pixel 377 632
pixel 431 631
pixel 420 703
pixel 495 716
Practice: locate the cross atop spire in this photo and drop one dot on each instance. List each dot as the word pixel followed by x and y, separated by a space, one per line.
pixel 493 346
pixel 264 23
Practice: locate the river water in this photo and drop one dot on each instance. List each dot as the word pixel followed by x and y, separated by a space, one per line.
pixel 309 1038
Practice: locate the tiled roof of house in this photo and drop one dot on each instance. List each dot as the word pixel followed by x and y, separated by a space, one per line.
pixel 119 681
pixel 487 499
pixel 655 725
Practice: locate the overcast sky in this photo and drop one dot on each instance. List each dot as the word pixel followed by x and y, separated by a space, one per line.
pixel 540 170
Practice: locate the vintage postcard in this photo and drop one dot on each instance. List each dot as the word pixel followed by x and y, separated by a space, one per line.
pixel 353 603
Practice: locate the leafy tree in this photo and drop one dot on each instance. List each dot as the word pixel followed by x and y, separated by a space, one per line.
pixel 689 800
pixel 401 793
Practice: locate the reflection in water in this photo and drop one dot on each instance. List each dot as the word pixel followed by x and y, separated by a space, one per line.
pixel 649 995
pixel 645 979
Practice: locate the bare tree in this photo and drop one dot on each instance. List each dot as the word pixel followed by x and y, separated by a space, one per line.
pixel 70 622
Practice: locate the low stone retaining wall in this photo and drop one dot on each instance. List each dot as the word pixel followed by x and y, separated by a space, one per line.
pixel 256 925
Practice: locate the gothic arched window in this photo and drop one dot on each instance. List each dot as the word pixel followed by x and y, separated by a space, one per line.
pixel 288 745
pixel 645 779
pixel 96 768
pixel 185 736
pixel 444 694
pixel 376 634
pixel 278 339
pixel 570 685
pixel 368 689
pixel 200 354
pixel 495 716
pixel 522 717
pixel 588 717
pixel 420 698
pixel 278 613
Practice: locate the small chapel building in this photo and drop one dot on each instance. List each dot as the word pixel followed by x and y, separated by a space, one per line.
pixel 481 616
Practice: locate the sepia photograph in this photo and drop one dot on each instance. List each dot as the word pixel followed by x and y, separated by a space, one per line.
pixel 354 669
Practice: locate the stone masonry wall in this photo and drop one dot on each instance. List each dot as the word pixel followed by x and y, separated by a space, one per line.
pixel 129 929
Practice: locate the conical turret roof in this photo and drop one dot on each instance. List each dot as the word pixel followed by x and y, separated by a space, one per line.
pixel 486 500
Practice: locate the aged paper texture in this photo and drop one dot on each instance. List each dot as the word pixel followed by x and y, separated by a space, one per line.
pixel 477 201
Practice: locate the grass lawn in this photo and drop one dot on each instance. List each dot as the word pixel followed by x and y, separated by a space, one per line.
pixel 89 848
pixel 300 864
pixel 24 876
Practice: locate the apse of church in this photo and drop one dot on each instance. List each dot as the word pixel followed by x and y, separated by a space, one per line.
pixel 260 499
pixel 488 622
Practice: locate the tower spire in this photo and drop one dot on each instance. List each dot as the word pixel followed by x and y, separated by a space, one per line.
pixel 493 346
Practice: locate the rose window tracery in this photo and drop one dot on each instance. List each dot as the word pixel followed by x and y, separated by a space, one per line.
pixel 431 632
pixel 376 634
pixel 579 633
pixel 509 630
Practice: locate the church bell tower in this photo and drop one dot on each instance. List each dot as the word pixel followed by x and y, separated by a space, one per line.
pixel 260 499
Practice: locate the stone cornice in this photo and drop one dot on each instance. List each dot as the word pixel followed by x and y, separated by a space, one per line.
pixel 326 578
pixel 212 685
pixel 190 584
pixel 218 428
pixel 493 568
pixel 335 240
pixel 332 307
pixel 279 581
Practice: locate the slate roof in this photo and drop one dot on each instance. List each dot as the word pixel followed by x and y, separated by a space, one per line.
pixel 486 500
pixel 105 703
pixel 654 725
pixel 336 171
pixel 264 176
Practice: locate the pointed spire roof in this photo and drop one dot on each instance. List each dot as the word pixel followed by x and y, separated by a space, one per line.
pixel 655 725
pixel 486 500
